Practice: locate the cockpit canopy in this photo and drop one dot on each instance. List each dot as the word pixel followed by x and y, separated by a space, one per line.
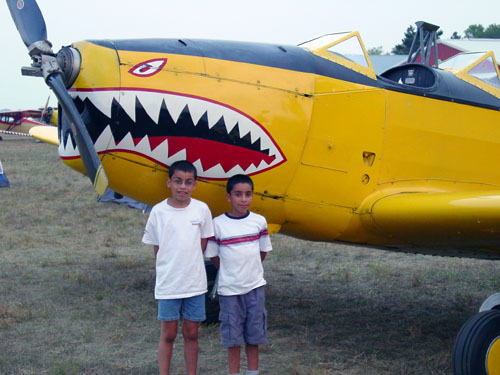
pixel 346 49
pixel 477 68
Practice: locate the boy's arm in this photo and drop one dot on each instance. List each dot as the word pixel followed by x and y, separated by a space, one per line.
pixel 216 261
pixel 264 240
pixel 204 242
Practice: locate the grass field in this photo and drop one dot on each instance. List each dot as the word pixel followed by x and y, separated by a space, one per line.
pixel 76 291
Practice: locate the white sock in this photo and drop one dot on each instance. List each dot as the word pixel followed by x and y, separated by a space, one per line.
pixel 254 372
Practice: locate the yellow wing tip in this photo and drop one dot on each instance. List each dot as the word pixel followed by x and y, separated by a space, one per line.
pixel 45 133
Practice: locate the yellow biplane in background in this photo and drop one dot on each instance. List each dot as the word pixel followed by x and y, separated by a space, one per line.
pixel 406 160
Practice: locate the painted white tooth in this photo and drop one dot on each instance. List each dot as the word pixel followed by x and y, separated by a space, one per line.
pixel 127 102
pixel 235 170
pixel 77 94
pixel 175 104
pixel 263 165
pixel 104 140
pixel 180 155
pixel 266 144
pixel 251 168
pixel 256 133
pixel 198 165
pixel 215 172
pixel 196 108
pixel 151 102
pixel 68 151
pixel 160 152
pixel 126 143
pixel 143 147
pixel 101 99
pixel 244 125
pixel 231 119
pixel 215 112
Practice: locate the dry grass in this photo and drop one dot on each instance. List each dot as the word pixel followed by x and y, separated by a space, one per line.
pixel 76 291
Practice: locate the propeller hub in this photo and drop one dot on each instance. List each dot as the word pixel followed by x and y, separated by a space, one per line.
pixel 70 61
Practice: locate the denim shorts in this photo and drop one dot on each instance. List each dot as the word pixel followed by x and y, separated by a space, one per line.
pixel 243 319
pixel 193 308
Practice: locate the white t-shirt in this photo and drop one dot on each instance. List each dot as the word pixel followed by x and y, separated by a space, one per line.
pixel 180 268
pixel 238 243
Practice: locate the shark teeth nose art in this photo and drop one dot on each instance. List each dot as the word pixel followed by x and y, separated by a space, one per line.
pixel 165 127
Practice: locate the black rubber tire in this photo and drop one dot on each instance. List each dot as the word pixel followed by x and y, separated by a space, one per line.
pixel 473 341
pixel 211 305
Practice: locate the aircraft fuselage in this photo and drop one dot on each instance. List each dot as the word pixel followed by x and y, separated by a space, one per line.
pixel 321 141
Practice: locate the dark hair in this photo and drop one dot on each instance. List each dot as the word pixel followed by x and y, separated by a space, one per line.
pixel 183 166
pixel 238 179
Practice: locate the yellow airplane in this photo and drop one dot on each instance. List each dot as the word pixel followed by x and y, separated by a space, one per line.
pixel 405 161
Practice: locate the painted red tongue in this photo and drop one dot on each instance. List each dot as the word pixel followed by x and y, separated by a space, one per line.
pixel 211 153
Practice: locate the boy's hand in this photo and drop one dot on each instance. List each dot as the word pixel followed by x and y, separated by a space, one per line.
pixel 216 262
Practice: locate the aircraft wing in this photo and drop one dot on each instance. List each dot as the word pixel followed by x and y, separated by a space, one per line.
pixel 439 219
pixel 47 134
pixel 33 113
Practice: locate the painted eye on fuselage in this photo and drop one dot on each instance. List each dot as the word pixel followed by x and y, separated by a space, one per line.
pixel 148 68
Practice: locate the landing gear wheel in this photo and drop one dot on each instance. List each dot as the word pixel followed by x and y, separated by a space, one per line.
pixel 477 346
pixel 211 305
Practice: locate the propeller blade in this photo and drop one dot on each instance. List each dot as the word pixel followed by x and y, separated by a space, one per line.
pixel 91 160
pixel 45 109
pixel 29 20
pixel 31 26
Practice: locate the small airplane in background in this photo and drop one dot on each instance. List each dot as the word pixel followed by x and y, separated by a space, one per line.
pixel 405 161
pixel 20 122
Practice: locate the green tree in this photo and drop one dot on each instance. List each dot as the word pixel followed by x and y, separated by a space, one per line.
pixel 492 31
pixel 478 31
pixel 455 36
pixel 474 31
pixel 404 47
pixel 375 51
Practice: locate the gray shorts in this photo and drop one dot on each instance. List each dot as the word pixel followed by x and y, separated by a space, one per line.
pixel 243 319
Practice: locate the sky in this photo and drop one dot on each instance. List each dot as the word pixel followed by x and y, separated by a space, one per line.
pixel 288 22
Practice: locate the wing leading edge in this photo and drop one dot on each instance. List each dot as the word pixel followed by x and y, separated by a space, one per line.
pixel 47 134
pixel 460 220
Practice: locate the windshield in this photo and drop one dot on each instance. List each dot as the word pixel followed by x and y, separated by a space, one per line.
pixel 7 119
pixel 475 65
pixel 486 72
pixel 349 48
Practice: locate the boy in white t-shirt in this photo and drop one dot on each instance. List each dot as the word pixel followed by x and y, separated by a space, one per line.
pixel 240 244
pixel 178 228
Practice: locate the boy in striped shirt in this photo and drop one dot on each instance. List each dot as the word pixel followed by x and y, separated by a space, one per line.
pixel 238 248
